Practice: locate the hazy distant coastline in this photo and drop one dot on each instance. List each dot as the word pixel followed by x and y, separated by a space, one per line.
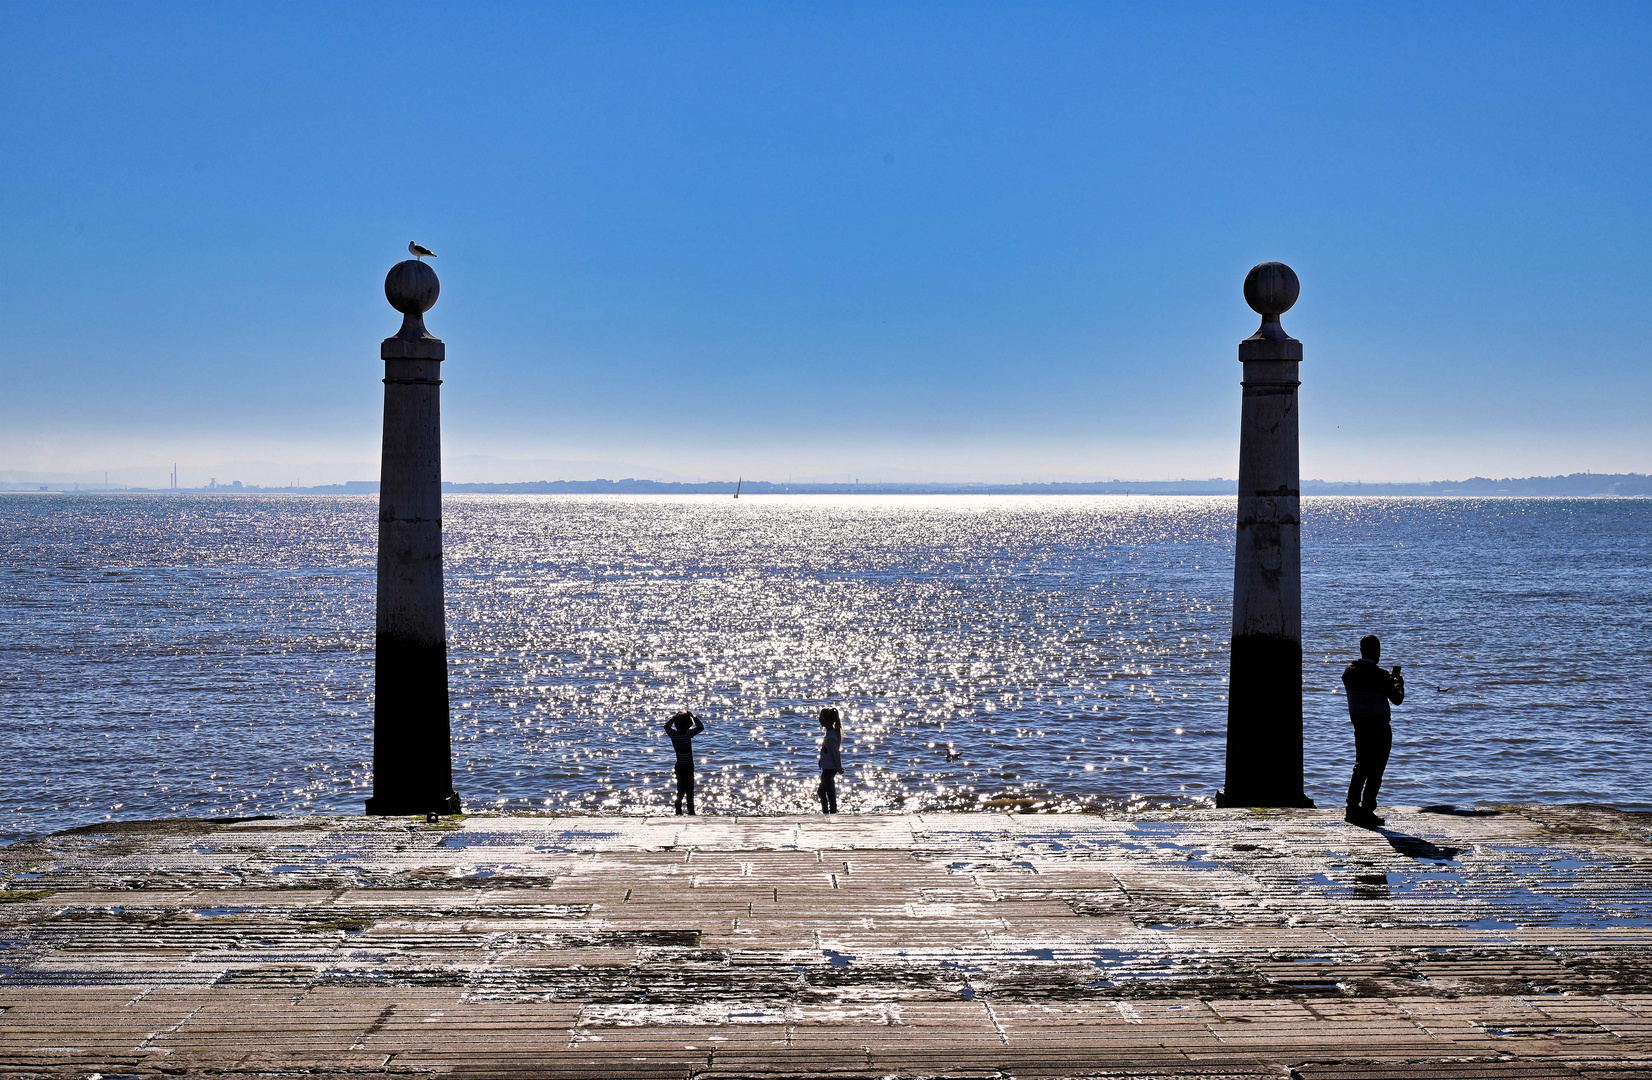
pixel 1575 485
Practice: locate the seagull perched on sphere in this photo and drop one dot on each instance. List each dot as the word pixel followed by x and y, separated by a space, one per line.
pixel 419 251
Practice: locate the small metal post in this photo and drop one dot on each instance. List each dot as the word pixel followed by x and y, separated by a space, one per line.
pixel 1264 750
pixel 412 740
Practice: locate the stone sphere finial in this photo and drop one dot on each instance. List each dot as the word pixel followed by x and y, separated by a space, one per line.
pixel 412 288
pixel 1270 289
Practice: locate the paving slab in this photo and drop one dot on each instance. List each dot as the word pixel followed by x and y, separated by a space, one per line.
pixel 1211 944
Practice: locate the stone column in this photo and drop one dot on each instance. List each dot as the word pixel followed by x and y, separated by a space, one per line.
pixel 412 752
pixel 1264 759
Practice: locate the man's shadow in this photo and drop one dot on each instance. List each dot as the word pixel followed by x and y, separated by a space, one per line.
pixel 1416 847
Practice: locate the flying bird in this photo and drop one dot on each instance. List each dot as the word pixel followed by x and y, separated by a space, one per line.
pixel 418 251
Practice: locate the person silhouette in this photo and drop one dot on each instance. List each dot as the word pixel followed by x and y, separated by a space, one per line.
pixel 682 728
pixel 831 759
pixel 1370 690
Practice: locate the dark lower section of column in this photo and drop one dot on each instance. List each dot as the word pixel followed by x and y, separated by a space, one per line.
pixel 1264 766
pixel 412 755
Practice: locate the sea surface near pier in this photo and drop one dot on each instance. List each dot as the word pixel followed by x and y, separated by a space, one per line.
pixel 212 655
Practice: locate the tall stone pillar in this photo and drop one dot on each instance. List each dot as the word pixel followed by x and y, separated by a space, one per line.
pixel 1264 759
pixel 412 752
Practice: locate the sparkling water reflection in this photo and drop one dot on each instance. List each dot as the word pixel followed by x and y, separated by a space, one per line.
pixel 212 655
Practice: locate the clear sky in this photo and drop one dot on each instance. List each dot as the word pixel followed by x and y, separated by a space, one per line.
pixel 825 240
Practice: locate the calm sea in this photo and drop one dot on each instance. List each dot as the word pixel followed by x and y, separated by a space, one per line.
pixel 212 655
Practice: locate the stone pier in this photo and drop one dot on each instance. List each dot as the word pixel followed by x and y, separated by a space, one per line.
pixel 1455 943
pixel 412 753
pixel 1264 746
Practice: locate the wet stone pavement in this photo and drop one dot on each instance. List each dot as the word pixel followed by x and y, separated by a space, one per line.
pixel 1200 943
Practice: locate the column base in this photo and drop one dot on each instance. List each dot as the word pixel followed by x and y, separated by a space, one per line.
pixel 412 806
pixel 1264 802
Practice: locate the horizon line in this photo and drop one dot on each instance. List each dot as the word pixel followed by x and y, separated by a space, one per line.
pixel 1581 484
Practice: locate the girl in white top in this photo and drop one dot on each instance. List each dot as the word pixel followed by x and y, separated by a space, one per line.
pixel 831 759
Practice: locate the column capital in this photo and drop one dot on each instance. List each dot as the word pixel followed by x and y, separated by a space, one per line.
pixel 412 287
pixel 1270 349
pixel 413 348
pixel 1271 288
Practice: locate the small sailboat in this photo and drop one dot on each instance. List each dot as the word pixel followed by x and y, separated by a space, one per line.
pixel 737 482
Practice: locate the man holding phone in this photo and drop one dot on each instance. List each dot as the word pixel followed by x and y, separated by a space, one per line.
pixel 1370 690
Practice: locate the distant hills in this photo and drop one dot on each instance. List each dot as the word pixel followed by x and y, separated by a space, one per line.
pixel 763 487
pixel 1577 485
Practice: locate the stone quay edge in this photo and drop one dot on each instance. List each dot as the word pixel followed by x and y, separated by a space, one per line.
pixel 1482 942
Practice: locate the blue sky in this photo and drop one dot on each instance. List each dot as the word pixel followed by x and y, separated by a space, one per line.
pixel 881 240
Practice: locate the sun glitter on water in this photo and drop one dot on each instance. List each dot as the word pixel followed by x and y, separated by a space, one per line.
pixel 204 655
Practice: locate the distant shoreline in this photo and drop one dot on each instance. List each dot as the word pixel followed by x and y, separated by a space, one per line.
pixel 1576 485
